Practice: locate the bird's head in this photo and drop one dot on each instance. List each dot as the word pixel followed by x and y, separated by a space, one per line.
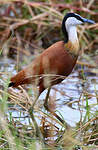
pixel 72 20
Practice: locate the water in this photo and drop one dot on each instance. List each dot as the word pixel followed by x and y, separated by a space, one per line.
pixel 68 95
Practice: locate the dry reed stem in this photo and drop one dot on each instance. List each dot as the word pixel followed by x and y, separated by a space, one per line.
pixel 87 124
pixel 51 13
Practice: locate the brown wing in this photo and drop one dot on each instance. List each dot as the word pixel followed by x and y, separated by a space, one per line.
pixel 53 62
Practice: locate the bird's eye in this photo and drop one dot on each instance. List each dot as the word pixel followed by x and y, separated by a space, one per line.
pixel 79 18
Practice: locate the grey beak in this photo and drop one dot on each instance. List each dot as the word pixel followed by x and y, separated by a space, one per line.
pixel 88 21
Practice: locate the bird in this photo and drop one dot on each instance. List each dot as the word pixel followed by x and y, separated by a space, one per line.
pixel 55 63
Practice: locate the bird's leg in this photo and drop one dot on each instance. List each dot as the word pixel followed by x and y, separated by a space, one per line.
pixel 46 100
pixel 38 132
pixel 51 111
pixel 41 89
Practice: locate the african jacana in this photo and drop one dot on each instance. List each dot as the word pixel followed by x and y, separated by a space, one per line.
pixel 56 61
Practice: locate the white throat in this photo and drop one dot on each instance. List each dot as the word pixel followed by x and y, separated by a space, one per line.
pixel 72 34
pixel 71 28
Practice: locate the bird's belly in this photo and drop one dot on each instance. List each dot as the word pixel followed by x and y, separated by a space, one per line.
pixel 61 70
pixel 64 66
pixel 67 69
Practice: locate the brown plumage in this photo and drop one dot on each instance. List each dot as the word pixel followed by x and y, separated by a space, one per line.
pixel 56 61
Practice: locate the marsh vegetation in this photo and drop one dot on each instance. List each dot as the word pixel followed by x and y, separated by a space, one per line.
pixel 26 28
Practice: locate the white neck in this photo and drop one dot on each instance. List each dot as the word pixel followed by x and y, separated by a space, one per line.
pixel 72 34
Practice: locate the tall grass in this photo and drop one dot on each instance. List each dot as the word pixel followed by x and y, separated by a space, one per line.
pixel 26 28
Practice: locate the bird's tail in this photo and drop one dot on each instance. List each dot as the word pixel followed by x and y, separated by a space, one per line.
pixel 19 79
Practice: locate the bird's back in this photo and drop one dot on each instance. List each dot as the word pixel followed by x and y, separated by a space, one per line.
pixel 54 62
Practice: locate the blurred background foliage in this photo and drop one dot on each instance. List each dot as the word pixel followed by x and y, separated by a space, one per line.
pixel 27 27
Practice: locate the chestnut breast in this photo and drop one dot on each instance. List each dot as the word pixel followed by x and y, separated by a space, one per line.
pixel 56 60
